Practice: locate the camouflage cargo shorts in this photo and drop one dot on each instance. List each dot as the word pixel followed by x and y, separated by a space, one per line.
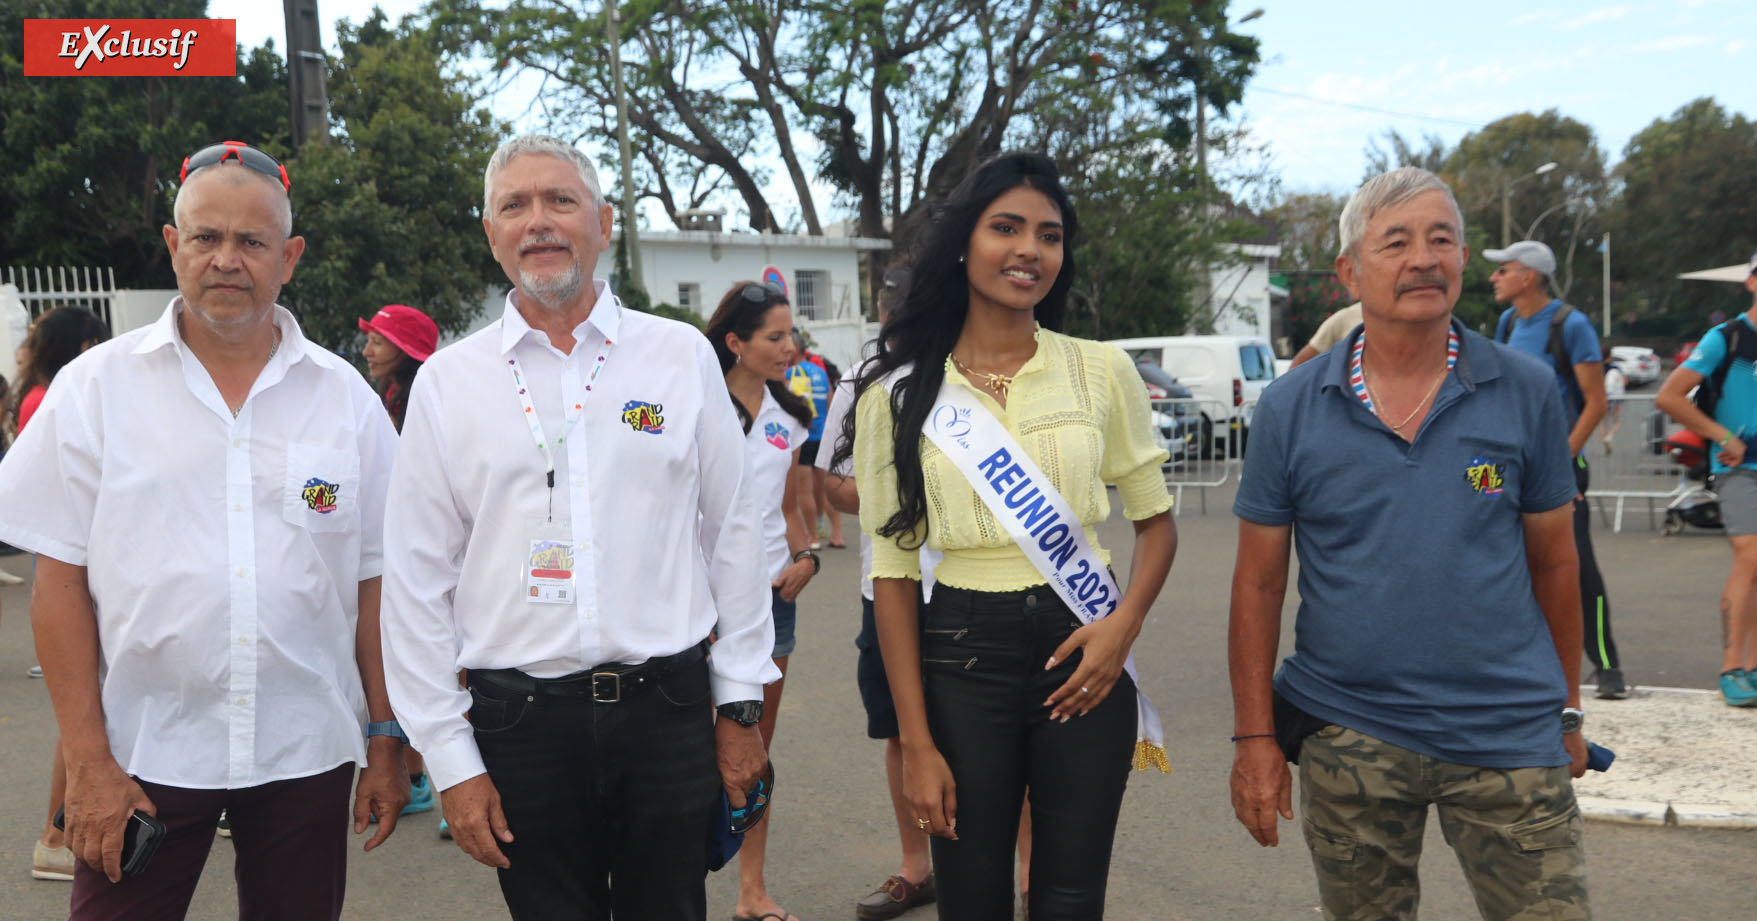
pixel 1364 805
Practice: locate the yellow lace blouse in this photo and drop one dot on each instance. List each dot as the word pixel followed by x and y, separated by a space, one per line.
pixel 1077 407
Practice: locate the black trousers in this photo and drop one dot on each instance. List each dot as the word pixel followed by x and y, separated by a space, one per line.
pixel 1594 603
pixel 609 803
pixel 982 665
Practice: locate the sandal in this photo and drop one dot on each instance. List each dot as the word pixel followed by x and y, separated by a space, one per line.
pixel 765 917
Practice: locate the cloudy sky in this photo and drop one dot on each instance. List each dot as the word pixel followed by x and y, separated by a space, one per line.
pixel 1337 74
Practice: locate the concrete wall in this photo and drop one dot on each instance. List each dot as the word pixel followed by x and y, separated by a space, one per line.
pixel 134 308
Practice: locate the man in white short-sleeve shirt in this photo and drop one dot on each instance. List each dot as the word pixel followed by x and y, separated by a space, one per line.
pixel 205 496
pixel 567 527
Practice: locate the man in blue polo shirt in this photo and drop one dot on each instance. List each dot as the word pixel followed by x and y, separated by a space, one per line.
pixel 1423 473
pixel 1523 281
pixel 1735 468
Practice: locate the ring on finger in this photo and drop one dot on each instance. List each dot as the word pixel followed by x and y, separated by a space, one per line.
pixel 1084 691
pixel 922 824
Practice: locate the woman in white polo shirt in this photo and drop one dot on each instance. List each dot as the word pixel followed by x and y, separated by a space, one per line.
pixel 751 333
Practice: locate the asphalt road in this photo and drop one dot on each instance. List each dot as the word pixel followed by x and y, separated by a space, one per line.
pixel 1180 854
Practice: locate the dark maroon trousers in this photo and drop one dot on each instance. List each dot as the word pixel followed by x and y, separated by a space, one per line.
pixel 291 838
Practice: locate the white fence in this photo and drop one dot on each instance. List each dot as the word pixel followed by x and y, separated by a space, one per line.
pixel 1206 441
pixel 42 288
pixel 1628 461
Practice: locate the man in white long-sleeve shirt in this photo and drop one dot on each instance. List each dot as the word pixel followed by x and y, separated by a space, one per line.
pixel 566 526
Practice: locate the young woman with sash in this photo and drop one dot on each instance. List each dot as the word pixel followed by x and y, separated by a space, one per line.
pixel 986 437
pixel 752 334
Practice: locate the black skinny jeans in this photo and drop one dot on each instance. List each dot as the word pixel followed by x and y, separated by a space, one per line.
pixel 1595 605
pixel 609 804
pixel 982 656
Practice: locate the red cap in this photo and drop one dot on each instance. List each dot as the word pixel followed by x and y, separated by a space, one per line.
pixel 407 328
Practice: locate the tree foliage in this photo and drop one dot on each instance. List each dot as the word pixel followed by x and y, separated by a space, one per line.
pixel 1686 204
pixel 898 100
pixel 92 163
pixel 390 207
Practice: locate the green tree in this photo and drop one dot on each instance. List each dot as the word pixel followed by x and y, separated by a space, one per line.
pixel 1306 224
pixel 390 207
pixel 92 162
pixel 1686 205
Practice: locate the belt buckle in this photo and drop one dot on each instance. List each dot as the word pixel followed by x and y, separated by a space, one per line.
pixel 603 680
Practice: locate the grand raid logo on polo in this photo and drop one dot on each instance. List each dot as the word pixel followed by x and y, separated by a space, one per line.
pixel 320 495
pixel 644 417
pixel 776 434
pixel 1486 478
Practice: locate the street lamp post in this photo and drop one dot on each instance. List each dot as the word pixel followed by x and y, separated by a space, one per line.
pixel 624 148
pixel 1507 201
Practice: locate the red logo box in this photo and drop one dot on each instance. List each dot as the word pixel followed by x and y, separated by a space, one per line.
pixel 130 47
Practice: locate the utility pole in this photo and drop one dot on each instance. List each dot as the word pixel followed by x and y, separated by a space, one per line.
pixel 611 19
pixel 305 79
pixel 1605 248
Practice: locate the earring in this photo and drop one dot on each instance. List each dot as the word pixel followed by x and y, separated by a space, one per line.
pixel 960 259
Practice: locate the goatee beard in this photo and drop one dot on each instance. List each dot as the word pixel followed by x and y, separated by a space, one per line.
pixel 554 291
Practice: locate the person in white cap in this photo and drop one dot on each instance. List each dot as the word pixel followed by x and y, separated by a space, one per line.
pixel 1554 332
pixel 1724 364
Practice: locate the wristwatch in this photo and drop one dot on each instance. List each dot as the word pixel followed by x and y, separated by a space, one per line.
pixel 1572 719
pixel 742 712
pixel 387 728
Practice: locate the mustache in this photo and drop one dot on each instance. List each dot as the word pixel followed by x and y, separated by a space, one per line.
pixel 1425 280
pixel 545 239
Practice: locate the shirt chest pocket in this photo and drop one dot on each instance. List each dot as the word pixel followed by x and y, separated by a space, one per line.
pixel 321 489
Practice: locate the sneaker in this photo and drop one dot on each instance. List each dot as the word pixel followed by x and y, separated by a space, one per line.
pixel 1736 688
pixel 1611 685
pixel 445 829
pixel 225 828
pixel 35 671
pixel 7 578
pixel 420 797
pixel 894 897
pixel 51 862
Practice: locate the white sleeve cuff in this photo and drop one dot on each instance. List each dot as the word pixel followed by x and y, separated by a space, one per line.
pixel 454 762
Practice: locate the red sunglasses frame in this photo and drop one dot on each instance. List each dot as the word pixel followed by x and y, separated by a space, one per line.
pixel 266 165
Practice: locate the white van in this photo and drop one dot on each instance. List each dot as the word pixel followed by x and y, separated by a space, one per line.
pixel 1226 373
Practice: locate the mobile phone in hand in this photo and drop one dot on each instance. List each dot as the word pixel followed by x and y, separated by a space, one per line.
pixel 140 841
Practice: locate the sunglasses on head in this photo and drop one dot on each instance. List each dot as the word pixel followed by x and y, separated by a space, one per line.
pixel 243 153
pixel 762 294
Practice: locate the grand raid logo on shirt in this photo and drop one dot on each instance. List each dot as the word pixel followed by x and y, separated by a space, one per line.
pixel 1486 477
pixel 644 417
pixel 319 495
pixel 776 434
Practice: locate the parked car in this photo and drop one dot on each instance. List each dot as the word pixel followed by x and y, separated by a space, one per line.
pixel 1225 373
pixel 1683 353
pixel 1640 365
pixel 1175 424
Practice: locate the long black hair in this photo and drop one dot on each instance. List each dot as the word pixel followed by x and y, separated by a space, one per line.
pixel 924 326
pixel 396 389
pixel 57 338
pixel 742 316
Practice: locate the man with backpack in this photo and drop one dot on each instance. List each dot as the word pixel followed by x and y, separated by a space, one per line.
pixel 1723 372
pixel 1559 335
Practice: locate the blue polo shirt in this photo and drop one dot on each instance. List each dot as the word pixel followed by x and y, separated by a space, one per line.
pixel 1417 623
pixel 1737 408
pixel 1531 335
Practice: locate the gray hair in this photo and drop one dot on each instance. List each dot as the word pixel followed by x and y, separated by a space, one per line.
pixel 238 176
pixel 1388 190
pixel 538 144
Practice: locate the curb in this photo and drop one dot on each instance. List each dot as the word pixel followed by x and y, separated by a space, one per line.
pixel 1643 742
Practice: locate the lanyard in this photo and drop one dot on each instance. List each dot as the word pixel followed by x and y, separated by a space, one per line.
pixel 543 446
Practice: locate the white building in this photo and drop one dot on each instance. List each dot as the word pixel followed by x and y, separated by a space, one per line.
pixel 694 268
pixel 1240 291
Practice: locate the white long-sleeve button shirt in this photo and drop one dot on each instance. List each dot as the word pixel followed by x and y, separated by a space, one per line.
pixel 650 482
pixel 224 555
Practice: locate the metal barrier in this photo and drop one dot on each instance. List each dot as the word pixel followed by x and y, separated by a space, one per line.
pixel 1206 441
pixel 1628 460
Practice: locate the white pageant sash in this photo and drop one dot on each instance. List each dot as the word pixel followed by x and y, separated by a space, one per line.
pixel 1040 521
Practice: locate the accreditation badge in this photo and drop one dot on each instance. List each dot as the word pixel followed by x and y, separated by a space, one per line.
pixel 549 568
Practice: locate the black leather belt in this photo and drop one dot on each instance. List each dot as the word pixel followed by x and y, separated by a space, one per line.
pixel 604 684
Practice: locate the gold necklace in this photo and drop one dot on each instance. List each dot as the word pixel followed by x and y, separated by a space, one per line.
pixel 1377 403
pixel 995 382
